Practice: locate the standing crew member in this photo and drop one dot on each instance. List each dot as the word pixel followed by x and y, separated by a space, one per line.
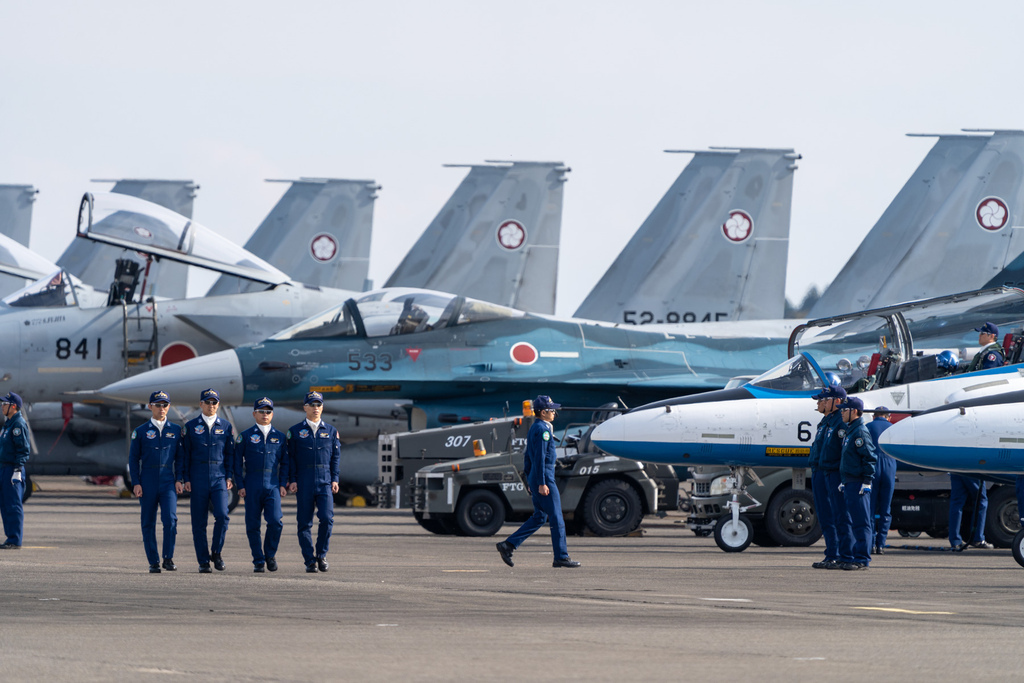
pixel 884 483
pixel 539 471
pixel 155 458
pixel 991 354
pixel 209 461
pixel 14 452
pixel 827 399
pixel 857 468
pixel 961 488
pixel 313 463
pixel 258 456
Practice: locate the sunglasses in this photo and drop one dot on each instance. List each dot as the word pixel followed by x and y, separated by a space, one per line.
pixel 160 405
pixel 316 404
pixel 211 403
pixel 264 411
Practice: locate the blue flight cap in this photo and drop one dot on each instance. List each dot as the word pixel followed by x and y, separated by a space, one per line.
pixel 12 397
pixel 830 392
pixel 988 328
pixel 313 396
pixel 882 410
pixel 263 403
pixel 209 395
pixel 854 403
pixel 545 403
pixel 159 397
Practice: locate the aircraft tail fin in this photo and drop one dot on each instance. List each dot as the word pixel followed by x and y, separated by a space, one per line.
pixel 16 211
pixel 318 233
pixel 714 247
pixel 950 229
pixel 495 239
pixel 94 263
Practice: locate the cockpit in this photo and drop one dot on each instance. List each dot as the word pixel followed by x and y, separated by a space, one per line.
pixel 799 373
pixel 58 289
pixel 392 312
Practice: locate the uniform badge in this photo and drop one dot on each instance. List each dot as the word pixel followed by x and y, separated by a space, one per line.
pixel 218 431
pixel 16 431
pixel 858 443
pixel 842 433
pixel 322 435
pixel 547 436
pixel 198 429
pixel 991 356
pixel 151 434
pixel 255 438
pixel 303 433
pixel 274 439
pixel 133 436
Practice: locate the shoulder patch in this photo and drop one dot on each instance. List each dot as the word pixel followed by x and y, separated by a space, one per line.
pixel 991 356
pixel 134 434
pixel 858 442
pixel 16 431
pixel 546 436
pixel 842 433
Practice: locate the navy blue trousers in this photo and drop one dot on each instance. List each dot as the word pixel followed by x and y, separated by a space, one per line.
pixel 307 498
pixel 10 504
pixel 162 495
pixel 841 516
pixel 960 488
pixel 545 509
pixel 882 488
pixel 858 509
pixel 268 503
pixel 206 496
pixel 825 515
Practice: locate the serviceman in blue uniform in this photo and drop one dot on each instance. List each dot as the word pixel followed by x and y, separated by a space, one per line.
pixel 823 486
pixel 884 483
pixel 539 472
pixel 14 452
pixel 155 458
pixel 991 354
pixel 313 463
pixel 209 446
pixel 961 489
pixel 857 469
pixel 258 454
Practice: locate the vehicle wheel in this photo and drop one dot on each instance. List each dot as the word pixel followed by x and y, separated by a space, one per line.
pixel 1003 520
pixel 233 499
pixel 790 518
pixel 734 537
pixel 1018 547
pixel 934 533
pixel 703 533
pixel 480 513
pixel 761 536
pixel 433 525
pixel 27 493
pixel 612 508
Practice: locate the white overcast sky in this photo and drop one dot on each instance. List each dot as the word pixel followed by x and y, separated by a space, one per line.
pixel 231 93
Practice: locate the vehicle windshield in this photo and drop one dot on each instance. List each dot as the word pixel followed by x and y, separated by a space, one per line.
pixel 55 290
pixel 397 312
pixel 796 374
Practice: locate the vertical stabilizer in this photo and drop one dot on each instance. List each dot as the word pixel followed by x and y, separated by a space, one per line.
pixel 495 239
pixel 714 247
pixel 950 229
pixel 16 211
pixel 318 233
pixel 93 262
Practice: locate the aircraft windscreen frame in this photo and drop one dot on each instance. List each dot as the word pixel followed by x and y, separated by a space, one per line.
pixel 49 291
pixel 799 373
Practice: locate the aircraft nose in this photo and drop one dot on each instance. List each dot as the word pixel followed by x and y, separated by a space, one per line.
pixel 184 381
pixel 900 440
pixel 610 435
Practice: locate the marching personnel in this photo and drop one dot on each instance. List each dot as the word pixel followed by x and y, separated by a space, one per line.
pixel 208 474
pixel 14 453
pixel 884 482
pixel 857 469
pixel 313 459
pixel 258 455
pixel 154 459
pixel 539 472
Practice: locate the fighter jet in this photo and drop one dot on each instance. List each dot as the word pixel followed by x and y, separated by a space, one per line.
pixel 950 229
pixel 714 248
pixel 16 261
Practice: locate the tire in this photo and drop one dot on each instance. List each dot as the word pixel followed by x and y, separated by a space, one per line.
pixel 480 513
pixel 1003 520
pixel 913 534
pixel 790 518
pixel 27 493
pixel 1018 547
pixel 611 507
pixel 233 499
pixel 761 536
pixel 433 525
pixel 734 537
pixel 934 533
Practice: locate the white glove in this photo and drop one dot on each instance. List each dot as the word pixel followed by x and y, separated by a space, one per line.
pixel 865 488
pixel 16 477
pixel 842 486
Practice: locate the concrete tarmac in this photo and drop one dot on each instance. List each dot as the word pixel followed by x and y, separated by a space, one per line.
pixel 399 603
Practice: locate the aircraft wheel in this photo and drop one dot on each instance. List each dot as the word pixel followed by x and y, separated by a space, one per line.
pixel 27 493
pixel 480 513
pixel 1018 547
pixel 612 508
pixel 233 499
pixel 434 525
pixel 1003 520
pixel 734 537
pixel 790 518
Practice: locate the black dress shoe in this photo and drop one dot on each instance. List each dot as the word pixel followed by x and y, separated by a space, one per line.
pixel 565 562
pixel 169 564
pixel 154 569
pixel 505 549
pixel 311 568
pixel 10 546
pixel 218 563
pixel 205 569
pixel 321 563
pixel 271 564
pixel 880 550
pixel 258 568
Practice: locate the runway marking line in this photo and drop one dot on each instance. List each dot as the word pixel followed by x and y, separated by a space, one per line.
pixel 465 571
pixel 900 611
pixel 727 599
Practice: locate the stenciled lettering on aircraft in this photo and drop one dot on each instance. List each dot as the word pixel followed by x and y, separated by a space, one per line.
pixel 785 451
pixel 355 388
pixel 511 234
pixel 992 214
pixel 45 321
pixel 323 247
pixel 738 227
pixel 671 317
pixel 413 353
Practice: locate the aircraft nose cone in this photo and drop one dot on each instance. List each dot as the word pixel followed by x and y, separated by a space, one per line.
pixel 609 433
pixel 184 381
pixel 900 440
